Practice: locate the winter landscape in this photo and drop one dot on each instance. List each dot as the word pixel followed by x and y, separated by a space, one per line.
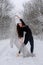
pixel 31 11
pixel 8 54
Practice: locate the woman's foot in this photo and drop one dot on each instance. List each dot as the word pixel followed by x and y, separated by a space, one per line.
pixel 17 54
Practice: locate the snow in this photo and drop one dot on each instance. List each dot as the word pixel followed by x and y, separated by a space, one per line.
pixel 8 54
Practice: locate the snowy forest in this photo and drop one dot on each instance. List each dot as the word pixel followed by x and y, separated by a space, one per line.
pixel 31 11
pixel 32 16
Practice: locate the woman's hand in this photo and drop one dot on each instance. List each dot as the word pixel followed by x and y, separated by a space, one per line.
pixel 17 16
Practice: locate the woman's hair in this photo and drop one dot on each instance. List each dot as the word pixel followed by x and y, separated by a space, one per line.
pixel 18 30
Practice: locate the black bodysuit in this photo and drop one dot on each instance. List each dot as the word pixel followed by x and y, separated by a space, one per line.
pixel 28 35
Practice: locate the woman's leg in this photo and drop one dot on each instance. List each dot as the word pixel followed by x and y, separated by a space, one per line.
pixel 32 44
pixel 21 41
pixel 23 44
pixel 30 39
pixel 21 48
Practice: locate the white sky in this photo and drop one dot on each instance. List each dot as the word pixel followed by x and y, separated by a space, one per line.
pixel 18 4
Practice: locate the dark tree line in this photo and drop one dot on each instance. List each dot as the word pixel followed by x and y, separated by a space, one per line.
pixel 5 19
pixel 31 15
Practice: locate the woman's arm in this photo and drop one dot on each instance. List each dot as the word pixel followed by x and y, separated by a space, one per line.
pixel 17 16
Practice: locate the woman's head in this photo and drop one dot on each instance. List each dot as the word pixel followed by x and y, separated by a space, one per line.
pixel 19 20
pixel 20 24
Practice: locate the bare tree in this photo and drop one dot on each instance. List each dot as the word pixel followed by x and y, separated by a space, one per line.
pixel 5 20
pixel 31 13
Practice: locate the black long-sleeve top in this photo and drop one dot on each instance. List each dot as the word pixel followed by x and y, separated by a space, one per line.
pixel 23 29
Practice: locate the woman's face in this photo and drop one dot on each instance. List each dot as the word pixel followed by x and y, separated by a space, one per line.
pixel 20 24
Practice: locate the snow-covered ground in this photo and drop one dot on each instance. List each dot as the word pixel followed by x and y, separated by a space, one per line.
pixel 8 54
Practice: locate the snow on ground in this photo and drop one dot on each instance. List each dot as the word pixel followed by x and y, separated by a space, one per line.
pixel 8 55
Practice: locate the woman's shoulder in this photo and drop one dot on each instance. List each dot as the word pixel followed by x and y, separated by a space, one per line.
pixel 27 26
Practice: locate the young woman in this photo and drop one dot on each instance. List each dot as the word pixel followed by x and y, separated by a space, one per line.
pixel 21 28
